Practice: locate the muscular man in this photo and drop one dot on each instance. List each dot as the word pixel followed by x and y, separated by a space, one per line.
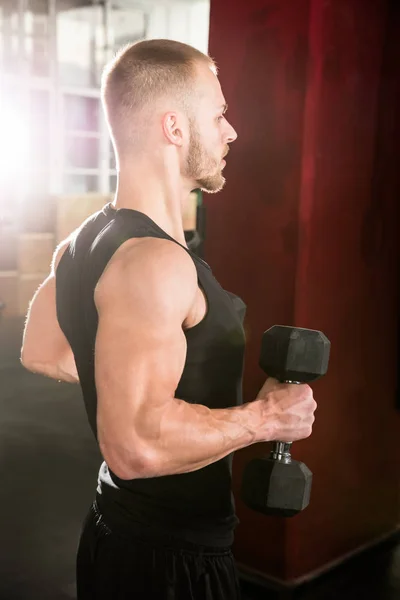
pixel 157 345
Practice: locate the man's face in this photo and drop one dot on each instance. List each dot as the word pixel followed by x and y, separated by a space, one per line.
pixel 210 134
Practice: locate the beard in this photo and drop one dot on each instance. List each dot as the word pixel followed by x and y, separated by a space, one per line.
pixel 201 166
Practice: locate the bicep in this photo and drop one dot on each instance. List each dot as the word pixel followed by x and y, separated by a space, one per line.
pixel 140 354
pixel 138 365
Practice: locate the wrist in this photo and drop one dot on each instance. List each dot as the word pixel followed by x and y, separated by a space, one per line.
pixel 261 422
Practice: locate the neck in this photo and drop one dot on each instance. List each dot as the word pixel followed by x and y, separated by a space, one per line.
pixel 158 192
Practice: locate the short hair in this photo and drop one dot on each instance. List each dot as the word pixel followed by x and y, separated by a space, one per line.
pixel 140 74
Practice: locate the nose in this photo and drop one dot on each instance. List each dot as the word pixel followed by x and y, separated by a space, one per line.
pixel 231 134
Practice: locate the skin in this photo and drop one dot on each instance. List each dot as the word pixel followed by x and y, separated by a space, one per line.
pixel 45 349
pixel 140 346
pixel 178 156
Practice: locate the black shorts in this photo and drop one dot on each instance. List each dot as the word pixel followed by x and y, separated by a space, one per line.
pixel 113 566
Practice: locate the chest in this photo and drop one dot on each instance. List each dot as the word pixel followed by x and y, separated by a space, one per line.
pixel 198 310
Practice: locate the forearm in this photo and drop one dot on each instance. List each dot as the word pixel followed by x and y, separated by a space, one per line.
pixel 45 349
pixel 64 370
pixel 191 436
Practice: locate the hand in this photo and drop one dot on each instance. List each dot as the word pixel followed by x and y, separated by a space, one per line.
pixel 287 411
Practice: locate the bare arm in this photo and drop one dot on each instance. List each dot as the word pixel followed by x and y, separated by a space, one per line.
pixel 45 349
pixel 143 299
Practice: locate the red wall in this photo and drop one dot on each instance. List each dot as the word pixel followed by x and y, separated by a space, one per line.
pixel 305 232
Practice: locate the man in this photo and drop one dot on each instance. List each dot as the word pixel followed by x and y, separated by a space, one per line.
pixel 157 345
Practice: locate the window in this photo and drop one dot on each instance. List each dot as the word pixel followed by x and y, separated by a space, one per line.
pixel 9 36
pixel 81 143
pixel 81 62
pixel 113 183
pixel 81 113
pixel 112 160
pixel 36 26
pixel 39 128
pixel 81 152
pixel 126 25
pixel 80 183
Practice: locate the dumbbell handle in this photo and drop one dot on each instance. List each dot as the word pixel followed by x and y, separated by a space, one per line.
pixel 281 450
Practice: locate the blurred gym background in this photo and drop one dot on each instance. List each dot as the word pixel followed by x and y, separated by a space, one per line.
pixel 56 159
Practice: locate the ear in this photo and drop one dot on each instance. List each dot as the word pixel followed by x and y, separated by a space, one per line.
pixel 173 128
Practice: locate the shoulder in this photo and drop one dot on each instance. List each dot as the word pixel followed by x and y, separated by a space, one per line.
pixel 59 253
pixel 150 270
pixel 88 229
pixel 154 255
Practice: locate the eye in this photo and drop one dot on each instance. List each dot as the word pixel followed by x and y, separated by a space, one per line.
pixel 221 117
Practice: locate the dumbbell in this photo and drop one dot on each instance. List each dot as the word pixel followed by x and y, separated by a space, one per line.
pixel 277 484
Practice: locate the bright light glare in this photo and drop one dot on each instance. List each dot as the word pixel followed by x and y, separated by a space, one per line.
pixel 14 147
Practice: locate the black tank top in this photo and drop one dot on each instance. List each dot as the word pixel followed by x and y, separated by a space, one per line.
pixel 196 506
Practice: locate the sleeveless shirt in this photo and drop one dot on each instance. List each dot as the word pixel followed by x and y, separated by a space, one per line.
pixel 197 506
